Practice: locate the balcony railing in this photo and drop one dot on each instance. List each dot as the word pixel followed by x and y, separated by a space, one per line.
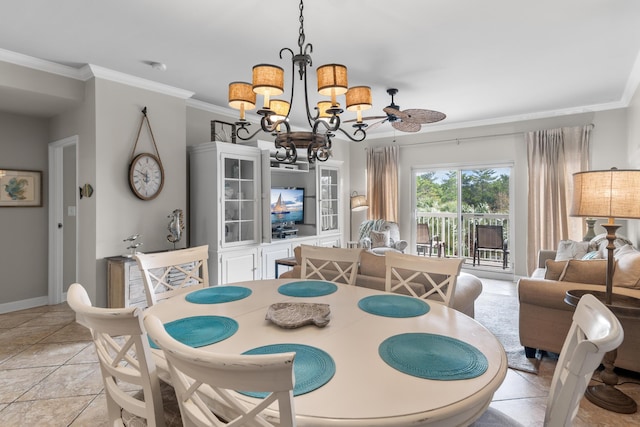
pixel 458 234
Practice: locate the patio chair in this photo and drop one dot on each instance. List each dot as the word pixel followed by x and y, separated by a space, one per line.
pixel 426 242
pixel 166 274
pixel 125 360
pixel 439 276
pixel 490 237
pixel 595 330
pixel 196 372
pixel 333 264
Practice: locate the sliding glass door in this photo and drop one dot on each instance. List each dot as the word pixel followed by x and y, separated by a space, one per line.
pixel 457 203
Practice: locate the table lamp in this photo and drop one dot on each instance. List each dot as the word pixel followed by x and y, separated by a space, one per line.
pixel 609 194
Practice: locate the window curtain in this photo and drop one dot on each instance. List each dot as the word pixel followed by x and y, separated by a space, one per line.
pixel 382 183
pixel 553 156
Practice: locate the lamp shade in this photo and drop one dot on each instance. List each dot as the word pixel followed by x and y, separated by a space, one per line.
pixel 323 106
pixel 359 202
pixel 241 97
pixel 280 109
pixel 332 80
pixel 358 100
pixel 268 79
pixel 606 193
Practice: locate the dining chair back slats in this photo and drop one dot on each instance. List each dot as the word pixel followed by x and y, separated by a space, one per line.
pixel 166 274
pixel 595 330
pixel 125 359
pixel 196 372
pixel 439 276
pixel 333 264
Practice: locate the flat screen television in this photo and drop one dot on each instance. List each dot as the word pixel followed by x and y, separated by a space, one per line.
pixel 287 205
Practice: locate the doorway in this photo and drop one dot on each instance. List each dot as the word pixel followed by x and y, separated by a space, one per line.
pixel 453 201
pixel 63 217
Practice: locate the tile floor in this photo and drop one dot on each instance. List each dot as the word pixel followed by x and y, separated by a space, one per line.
pixel 49 376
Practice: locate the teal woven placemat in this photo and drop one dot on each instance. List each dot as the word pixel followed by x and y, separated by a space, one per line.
pixel 312 366
pixel 218 294
pixel 434 357
pixel 308 288
pixel 393 306
pixel 198 331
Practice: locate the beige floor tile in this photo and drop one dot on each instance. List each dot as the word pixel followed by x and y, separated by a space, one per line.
pixel 26 335
pixel 52 318
pixel 66 381
pixel 8 351
pixel 44 355
pixel 516 387
pixel 87 355
pixel 12 320
pixel 94 415
pixel 15 382
pixel 72 332
pixel 57 412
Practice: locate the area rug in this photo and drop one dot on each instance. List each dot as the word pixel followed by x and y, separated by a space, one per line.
pixel 499 313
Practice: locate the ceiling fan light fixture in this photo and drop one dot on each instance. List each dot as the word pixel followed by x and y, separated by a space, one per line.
pixel 242 97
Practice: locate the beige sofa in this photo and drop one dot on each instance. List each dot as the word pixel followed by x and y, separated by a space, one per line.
pixel 371 274
pixel 545 318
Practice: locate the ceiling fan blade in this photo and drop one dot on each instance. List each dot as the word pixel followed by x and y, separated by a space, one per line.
pixel 394 112
pixel 376 124
pixel 423 116
pixel 364 119
pixel 406 126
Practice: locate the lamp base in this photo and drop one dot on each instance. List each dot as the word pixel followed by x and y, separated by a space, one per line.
pixel 610 398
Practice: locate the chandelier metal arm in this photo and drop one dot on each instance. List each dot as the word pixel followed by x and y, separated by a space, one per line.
pixel 242 131
pixel 358 135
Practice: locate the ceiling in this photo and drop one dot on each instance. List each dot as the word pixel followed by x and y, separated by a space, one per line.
pixel 479 62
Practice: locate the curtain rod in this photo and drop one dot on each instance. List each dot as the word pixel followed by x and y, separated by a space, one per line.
pixel 469 138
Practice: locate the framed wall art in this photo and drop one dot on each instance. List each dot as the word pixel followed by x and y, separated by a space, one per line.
pixel 20 188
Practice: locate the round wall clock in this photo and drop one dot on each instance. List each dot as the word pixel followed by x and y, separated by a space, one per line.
pixel 146 176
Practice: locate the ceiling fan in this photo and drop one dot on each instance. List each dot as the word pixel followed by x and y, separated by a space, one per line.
pixel 407 120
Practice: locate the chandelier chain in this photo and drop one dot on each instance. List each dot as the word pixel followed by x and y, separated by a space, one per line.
pixel 301 36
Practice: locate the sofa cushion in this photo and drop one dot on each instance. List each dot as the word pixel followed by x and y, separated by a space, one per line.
pixel 593 271
pixel 379 239
pixel 569 249
pixel 627 271
pixel 554 269
pixel 600 243
pixel 372 264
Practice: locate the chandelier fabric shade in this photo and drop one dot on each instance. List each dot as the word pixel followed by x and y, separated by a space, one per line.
pixel 359 99
pixel 323 107
pixel 332 80
pixel 268 80
pixel 242 97
pixel 606 194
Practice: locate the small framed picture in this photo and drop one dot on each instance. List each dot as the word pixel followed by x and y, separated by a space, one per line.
pixel 20 188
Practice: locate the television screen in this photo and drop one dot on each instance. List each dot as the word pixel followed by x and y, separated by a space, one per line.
pixel 287 205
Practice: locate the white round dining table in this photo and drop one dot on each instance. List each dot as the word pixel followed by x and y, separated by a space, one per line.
pixel 365 390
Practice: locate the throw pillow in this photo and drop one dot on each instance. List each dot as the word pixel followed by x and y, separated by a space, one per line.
pixel 600 243
pixel 593 255
pixel 569 249
pixel 592 272
pixel 627 270
pixel 379 238
pixel 554 269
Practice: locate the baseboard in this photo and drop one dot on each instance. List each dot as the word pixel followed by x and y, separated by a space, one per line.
pixel 23 304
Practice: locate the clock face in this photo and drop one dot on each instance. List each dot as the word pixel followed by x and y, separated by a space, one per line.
pixel 146 176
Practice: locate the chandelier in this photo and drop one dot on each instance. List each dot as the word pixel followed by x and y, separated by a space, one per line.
pixel 324 121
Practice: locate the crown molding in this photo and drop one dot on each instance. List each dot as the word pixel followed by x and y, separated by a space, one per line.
pixel 118 77
pixel 40 64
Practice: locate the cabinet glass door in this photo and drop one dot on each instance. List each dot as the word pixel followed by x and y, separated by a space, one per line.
pixel 239 199
pixel 329 211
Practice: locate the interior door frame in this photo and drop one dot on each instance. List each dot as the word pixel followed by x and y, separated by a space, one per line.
pixel 56 217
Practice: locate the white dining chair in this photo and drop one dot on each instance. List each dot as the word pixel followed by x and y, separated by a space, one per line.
pixel 126 363
pixel 195 372
pixel 333 264
pixel 166 274
pixel 595 330
pixel 438 275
